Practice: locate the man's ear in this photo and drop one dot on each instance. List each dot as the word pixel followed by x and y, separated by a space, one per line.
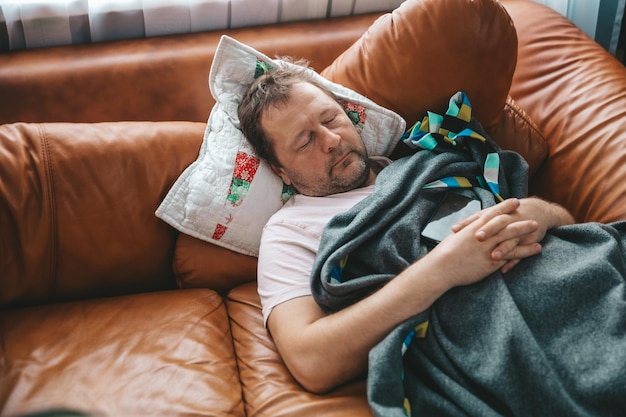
pixel 281 173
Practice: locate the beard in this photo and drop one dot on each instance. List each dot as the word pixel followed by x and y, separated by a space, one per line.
pixel 351 173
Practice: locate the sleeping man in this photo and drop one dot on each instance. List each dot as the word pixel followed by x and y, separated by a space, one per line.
pixel 489 321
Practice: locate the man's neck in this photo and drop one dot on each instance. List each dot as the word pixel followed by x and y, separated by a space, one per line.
pixel 377 164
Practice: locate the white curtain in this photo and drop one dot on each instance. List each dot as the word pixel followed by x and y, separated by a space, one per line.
pixel 40 23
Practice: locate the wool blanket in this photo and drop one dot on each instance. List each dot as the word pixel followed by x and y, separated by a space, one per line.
pixel 546 339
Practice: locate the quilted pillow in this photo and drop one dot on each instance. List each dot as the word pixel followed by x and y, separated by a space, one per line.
pixel 227 195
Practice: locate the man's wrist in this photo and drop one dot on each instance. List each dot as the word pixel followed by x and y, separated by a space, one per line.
pixel 560 216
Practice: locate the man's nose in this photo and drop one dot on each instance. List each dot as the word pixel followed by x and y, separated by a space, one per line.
pixel 331 140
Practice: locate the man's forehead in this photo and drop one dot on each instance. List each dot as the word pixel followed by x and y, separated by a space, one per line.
pixel 303 97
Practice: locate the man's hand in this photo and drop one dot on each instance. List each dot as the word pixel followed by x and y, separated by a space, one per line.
pixel 462 258
pixel 519 225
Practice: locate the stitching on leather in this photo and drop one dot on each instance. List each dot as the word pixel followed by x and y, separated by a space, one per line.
pixel 48 167
pixel 520 114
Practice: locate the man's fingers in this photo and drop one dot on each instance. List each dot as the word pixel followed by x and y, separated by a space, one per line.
pixel 516 242
pixel 509 265
pixel 457 227
pixel 506 207
pixel 502 252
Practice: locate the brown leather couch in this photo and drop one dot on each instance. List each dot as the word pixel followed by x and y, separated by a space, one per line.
pixel 108 310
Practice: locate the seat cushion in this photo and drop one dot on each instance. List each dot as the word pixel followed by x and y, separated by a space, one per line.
pixel 200 264
pixel 159 354
pixel 268 387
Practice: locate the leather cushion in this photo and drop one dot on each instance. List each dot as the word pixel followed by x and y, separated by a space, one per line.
pixel 518 132
pixel 202 264
pixel 414 59
pixel 268 387
pixel 77 206
pixel 120 356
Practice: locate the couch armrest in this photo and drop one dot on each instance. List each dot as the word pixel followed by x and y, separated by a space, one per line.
pixel 575 92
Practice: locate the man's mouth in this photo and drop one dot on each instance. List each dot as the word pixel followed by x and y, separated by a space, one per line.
pixel 341 159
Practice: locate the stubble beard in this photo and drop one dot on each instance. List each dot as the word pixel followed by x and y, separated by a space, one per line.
pixel 357 176
pixel 354 179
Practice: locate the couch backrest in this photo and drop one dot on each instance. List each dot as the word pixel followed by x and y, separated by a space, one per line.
pixel 423 52
pixel 77 206
pixel 156 79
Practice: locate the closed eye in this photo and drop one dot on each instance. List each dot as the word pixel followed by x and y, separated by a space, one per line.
pixel 309 139
pixel 330 120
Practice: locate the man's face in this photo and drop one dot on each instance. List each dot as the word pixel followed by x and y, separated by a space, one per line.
pixel 318 148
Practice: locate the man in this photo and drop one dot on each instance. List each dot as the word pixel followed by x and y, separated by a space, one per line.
pixel 301 130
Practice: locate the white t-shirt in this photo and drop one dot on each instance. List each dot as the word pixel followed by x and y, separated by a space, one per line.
pixel 291 239
pixel 290 242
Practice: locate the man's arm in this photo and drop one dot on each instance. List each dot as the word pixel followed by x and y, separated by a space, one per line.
pixel 323 351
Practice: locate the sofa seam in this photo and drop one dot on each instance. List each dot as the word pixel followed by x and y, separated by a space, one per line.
pixel 237 359
pixel 52 229
pixel 521 115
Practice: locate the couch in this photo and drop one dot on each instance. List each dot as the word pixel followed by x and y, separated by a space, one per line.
pixel 108 310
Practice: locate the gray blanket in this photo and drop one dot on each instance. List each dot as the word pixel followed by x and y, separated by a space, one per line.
pixel 546 339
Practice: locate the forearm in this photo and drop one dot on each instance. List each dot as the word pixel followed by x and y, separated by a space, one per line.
pixel 332 349
pixel 323 351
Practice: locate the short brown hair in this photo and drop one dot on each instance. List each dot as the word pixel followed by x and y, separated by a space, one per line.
pixel 269 89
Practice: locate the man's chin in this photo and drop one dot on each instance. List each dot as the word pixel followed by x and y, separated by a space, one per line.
pixel 351 180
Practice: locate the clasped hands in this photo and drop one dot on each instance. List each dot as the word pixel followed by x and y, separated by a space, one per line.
pixel 499 237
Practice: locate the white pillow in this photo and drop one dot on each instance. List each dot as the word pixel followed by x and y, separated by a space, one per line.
pixel 227 195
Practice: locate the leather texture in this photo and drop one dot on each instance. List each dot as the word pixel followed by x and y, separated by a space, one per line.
pixel 516 131
pixel 98 306
pixel 575 93
pixel 156 354
pixel 267 388
pixel 200 264
pixel 155 79
pixel 415 58
pixel 78 202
